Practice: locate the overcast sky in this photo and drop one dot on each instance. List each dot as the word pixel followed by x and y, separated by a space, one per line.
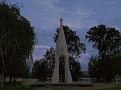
pixel 79 15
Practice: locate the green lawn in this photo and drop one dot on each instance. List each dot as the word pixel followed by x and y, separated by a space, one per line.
pixel 16 86
pixel 114 88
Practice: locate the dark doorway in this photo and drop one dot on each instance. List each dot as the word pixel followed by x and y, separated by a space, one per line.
pixel 61 69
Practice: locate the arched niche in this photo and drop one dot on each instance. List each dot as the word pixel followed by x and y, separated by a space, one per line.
pixel 62 68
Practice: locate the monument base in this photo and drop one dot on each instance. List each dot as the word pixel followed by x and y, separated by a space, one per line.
pixel 46 84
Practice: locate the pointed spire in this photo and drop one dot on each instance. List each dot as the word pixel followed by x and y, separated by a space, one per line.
pixel 61 21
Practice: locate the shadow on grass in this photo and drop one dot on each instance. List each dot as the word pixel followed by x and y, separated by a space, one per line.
pixel 16 86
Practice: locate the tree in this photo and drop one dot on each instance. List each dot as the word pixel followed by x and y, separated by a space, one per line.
pixel 17 39
pixel 40 70
pixel 49 56
pixel 75 68
pixel 43 68
pixel 75 47
pixel 100 69
pixel 35 69
pixel 107 41
pixel 115 64
pixel 93 68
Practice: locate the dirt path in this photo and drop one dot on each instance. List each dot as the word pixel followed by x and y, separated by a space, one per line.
pixel 96 86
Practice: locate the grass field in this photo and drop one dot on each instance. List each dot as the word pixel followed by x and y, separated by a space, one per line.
pixel 114 88
pixel 19 86
pixel 16 86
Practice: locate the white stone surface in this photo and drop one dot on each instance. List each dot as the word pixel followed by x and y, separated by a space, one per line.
pixel 61 50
